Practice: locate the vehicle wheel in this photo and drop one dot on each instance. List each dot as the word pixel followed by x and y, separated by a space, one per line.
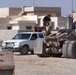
pixel 44 53
pixel 64 49
pixel 72 49
pixel 24 50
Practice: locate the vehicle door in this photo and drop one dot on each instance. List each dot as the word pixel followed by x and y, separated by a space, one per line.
pixel 32 40
pixel 39 44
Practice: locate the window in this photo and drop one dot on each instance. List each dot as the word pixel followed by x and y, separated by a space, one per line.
pixel 22 36
pixel 34 37
pixel 40 35
pixel 9 27
pixel 28 27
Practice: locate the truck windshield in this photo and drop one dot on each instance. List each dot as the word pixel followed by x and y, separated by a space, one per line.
pixel 22 36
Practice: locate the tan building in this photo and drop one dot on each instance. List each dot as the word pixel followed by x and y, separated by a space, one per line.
pixel 16 19
pixel 7 14
pixel 10 11
pixel 24 20
pixel 71 18
pixel 43 11
pixel 73 14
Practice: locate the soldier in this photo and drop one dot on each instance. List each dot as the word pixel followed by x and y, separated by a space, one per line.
pixel 47 29
pixel 35 28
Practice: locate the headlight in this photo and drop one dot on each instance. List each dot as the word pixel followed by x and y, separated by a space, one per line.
pixel 17 43
pixel 14 43
pixel 10 44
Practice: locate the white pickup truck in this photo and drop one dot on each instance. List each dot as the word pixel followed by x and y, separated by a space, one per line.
pixel 23 42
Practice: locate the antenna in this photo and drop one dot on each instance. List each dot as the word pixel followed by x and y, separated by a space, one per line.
pixel 33 3
pixel 72 6
pixel 72 10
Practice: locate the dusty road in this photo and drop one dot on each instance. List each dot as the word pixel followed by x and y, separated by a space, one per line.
pixel 33 65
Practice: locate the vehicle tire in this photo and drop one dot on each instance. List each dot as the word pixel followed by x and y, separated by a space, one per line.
pixel 44 53
pixel 72 49
pixel 24 50
pixel 64 49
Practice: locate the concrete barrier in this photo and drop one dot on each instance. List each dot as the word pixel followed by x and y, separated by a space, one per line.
pixel 6 63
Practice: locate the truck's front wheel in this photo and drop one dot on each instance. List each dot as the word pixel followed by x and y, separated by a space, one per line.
pixel 24 50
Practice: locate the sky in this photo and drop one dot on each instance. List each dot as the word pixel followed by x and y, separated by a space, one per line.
pixel 66 5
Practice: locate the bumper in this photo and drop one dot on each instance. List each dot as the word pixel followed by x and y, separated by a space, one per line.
pixel 17 49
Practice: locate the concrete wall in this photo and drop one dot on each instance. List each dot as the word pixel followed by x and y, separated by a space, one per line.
pixel 15 27
pixel 7 14
pixel 62 22
pixel 23 26
pixel 59 22
pixel 15 11
pixel 55 21
pixel 74 16
pixel 41 11
pixel 4 22
pixel 21 22
pixel 4 12
pixel 7 34
pixel 10 11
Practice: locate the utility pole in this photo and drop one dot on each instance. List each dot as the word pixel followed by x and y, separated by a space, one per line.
pixel 72 25
pixel 33 4
pixel 72 10
pixel 72 6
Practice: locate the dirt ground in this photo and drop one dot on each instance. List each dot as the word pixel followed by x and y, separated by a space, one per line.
pixel 34 65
